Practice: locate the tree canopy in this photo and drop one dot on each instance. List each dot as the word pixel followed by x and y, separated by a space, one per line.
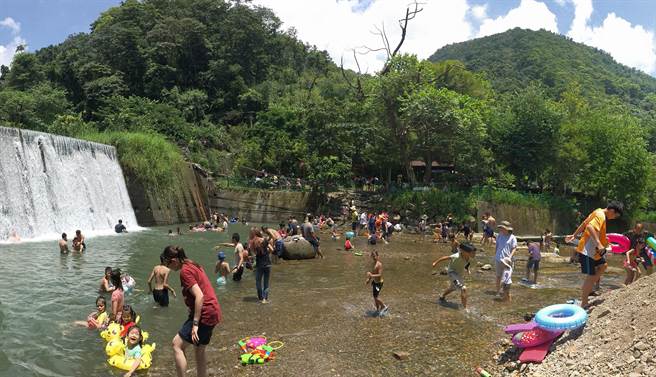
pixel 236 93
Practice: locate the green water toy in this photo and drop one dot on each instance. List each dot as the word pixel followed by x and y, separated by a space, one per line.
pixel 358 253
pixel 482 372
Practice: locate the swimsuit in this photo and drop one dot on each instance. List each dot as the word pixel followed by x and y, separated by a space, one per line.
pixel 161 296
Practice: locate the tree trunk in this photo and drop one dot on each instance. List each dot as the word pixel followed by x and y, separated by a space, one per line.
pixel 428 173
pixel 397 129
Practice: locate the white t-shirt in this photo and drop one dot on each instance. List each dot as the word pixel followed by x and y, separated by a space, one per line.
pixel 506 278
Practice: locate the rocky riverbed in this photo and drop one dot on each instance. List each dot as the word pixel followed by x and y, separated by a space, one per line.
pixel 618 340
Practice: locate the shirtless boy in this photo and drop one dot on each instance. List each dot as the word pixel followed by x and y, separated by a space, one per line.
pixel 161 292
pixel 63 244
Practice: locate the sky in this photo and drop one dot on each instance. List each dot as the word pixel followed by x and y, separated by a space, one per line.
pixel 623 28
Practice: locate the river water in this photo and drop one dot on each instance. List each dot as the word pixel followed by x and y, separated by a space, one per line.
pixel 319 309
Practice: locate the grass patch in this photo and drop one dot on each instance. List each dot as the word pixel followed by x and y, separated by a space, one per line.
pixel 463 203
pixel 154 161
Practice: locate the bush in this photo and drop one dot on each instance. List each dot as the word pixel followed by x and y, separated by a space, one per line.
pixel 154 161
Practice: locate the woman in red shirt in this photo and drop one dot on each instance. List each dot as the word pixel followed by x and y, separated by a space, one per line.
pixel 204 309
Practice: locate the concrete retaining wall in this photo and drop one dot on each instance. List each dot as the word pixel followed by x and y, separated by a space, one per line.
pixel 527 220
pixel 189 204
pixel 263 206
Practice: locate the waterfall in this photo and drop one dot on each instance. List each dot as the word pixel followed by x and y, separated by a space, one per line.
pixel 51 184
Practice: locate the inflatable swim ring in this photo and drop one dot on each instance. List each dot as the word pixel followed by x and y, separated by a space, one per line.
pixel 97 322
pixel 618 242
pixel 561 317
pixel 349 235
pixel 220 281
pixel 535 337
pixel 119 360
pixel 651 242
pixel 128 283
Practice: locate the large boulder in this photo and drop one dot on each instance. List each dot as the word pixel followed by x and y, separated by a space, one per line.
pixel 297 247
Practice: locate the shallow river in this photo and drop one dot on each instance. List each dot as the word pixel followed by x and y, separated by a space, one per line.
pixel 319 309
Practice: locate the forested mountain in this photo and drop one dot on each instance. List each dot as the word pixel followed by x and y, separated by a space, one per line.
pixel 221 84
pixel 514 59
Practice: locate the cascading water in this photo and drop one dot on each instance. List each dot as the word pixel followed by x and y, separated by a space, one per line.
pixel 51 184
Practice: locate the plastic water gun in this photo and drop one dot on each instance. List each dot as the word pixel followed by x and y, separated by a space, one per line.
pixel 242 345
pixel 482 372
pixel 267 349
pixel 251 358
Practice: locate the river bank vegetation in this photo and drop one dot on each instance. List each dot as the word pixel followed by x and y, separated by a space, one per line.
pixel 229 88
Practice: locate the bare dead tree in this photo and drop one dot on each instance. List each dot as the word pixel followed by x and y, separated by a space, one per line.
pixel 357 86
pixel 410 13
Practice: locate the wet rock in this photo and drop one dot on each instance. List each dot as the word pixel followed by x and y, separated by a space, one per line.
pixel 297 247
pixel 401 355
pixel 486 267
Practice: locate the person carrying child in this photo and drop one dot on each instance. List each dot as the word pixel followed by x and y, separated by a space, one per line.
pixel 375 276
pixel 458 263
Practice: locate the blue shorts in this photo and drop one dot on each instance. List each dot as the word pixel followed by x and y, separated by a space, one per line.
pixel 314 243
pixel 279 247
pixel 589 265
pixel 489 232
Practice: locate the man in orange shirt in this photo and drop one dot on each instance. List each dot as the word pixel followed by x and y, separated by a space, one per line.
pixel 593 244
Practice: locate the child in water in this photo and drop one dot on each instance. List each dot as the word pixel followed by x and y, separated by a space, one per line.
pixel 118 296
pixel 128 319
pixel 134 341
pixel 98 319
pixel 348 245
pixel 458 263
pixel 222 267
pixel 631 262
pixel 506 279
pixel 376 278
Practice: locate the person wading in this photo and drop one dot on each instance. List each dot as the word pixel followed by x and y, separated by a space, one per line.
pixel 204 310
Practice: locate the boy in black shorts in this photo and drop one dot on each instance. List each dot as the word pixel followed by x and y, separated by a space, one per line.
pixel 376 278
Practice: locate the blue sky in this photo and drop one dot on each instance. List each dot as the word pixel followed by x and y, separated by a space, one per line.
pixel 624 28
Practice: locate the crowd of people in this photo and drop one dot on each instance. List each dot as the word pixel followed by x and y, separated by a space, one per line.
pixel 264 247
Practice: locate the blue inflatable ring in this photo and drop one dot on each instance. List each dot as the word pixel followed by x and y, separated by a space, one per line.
pixel 561 317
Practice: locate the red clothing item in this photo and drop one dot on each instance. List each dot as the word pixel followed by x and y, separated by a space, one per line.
pixel 126 328
pixel 191 274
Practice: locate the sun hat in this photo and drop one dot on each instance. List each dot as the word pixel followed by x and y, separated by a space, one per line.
pixel 505 225
pixel 221 255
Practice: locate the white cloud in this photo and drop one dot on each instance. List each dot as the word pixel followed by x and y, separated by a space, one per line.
pixel 7 51
pixel 632 45
pixel 334 26
pixel 530 14
pixel 11 24
pixel 479 11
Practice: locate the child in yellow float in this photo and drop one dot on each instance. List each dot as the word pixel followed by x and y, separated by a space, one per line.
pixel 134 341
